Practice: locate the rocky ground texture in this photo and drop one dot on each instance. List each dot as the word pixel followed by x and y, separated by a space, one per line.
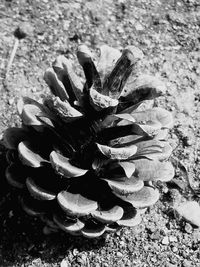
pixel 168 32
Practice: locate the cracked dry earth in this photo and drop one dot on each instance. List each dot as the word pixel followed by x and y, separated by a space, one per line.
pixel 168 32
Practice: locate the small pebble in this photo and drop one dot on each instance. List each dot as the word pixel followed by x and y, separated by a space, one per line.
pixel 187 141
pixel 64 263
pixel 173 239
pixel 196 236
pixel 155 235
pixel 75 252
pixel 187 263
pixel 190 210
pixel 174 249
pixel 122 243
pixel 23 30
pixel 138 27
pixel 165 240
pixel 66 24
pixel 119 254
pixel 11 101
pixel 188 228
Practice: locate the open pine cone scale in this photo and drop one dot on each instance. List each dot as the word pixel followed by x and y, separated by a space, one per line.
pixel 85 156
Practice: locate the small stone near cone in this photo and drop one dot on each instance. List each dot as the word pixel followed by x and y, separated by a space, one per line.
pixel 190 211
pixel 23 30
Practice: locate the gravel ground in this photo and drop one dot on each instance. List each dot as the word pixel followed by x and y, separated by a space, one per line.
pixel 168 32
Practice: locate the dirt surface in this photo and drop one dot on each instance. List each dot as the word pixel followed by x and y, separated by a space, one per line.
pixel 168 32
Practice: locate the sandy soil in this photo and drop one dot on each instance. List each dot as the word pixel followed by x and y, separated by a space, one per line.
pixel 168 32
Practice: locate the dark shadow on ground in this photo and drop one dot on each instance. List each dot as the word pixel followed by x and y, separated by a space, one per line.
pixel 22 238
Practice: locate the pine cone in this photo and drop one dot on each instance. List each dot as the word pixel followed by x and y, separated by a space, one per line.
pixel 85 157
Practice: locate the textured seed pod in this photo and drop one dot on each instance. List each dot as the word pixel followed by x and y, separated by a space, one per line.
pixel 84 160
